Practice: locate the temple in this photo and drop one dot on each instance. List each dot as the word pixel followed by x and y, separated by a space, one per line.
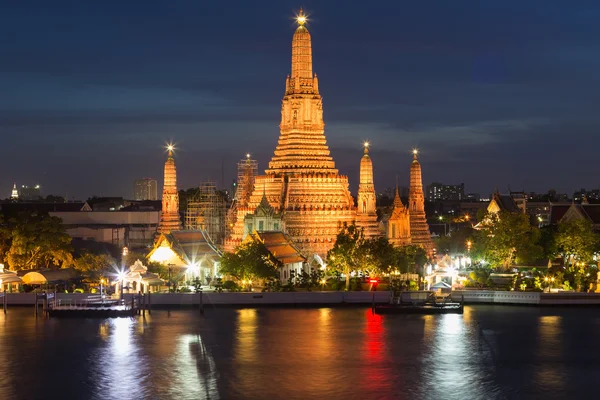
pixel 169 216
pixel 366 213
pixel 15 193
pixel 398 226
pixel 301 182
pixel 419 229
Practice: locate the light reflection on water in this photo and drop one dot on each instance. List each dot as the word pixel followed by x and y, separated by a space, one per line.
pixel 487 353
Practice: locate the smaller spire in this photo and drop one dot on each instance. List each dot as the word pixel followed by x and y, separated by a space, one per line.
pixel 366 145
pixel 415 152
pixel 170 149
pixel 301 18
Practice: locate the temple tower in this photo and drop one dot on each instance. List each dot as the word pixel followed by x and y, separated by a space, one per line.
pixel 366 213
pixel 398 228
pixel 169 216
pixel 15 193
pixel 301 182
pixel 419 229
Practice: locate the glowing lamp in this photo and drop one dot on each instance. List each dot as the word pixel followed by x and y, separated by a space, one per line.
pixel 372 280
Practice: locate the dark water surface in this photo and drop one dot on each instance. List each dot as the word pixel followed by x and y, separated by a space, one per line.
pixel 490 352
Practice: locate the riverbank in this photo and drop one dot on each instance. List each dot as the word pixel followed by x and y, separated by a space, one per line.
pixel 320 299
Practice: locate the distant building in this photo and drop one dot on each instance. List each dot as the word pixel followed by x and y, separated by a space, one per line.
pixel 438 191
pixel 145 189
pixel 30 193
pixel 586 195
pixel 15 193
pixel 134 228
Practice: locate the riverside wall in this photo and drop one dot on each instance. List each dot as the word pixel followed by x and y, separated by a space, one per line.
pixel 254 299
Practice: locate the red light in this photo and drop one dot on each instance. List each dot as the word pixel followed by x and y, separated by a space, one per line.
pixel 372 280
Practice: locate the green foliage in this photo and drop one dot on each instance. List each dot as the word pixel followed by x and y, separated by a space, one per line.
pixel 479 277
pixel 507 238
pixel 251 261
pixel 94 266
pixel 576 242
pixel 37 240
pixel 231 286
pixel 347 253
pixel 219 285
pixel 272 285
pixel 455 242
pixel 567 286
pixel 309 280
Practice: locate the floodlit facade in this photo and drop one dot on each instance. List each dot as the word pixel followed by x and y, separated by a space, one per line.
pixel 398 225
pixel 301 181
pixel 169 216
pixel 419 229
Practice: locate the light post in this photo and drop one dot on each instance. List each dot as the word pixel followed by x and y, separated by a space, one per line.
pixel 169 266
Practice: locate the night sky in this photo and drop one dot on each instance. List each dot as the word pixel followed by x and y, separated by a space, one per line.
pixel 493 93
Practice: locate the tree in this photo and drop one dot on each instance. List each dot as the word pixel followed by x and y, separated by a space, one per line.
pixel 409 256
pixel 507 238
pixel 38 240
pixel 346 254
pixel 376 255
pixel 94 266
pixel 576 241
pixel 251 261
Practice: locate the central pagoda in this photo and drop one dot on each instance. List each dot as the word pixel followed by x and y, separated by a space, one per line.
pixel 302 183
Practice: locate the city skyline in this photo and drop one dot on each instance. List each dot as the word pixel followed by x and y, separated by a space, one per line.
pixel 90 99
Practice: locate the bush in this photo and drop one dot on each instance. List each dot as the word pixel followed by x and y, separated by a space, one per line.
pixel 231 286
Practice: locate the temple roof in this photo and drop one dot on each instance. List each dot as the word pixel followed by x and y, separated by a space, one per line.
pixel 505 202
pixel 188 245
pixel 280 246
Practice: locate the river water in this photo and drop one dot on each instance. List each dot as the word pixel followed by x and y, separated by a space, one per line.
pixel 490 352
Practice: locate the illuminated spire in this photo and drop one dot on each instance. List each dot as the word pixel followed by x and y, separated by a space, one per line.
pixel 169 217
pixel 15 193
pixel 415 153
pixel 301 51
pixel 366 145
pixel 301 18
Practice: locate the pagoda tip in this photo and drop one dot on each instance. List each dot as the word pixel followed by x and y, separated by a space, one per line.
pixel 301 18
pixel 415 153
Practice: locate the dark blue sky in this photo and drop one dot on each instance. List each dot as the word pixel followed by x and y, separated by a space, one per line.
pixel 493 93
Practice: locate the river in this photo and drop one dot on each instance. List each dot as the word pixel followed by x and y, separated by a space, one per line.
pixel 490 352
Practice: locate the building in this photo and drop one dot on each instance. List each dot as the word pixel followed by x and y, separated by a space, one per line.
pixel 283 250
pixel 566 213
pixel 366 213
pixel 188 253
pixel 169 216
pixel 301 181
pixel 437 191
pixel 30 193
pixel 586 195
pixel 264 218
pixel 398 224
pixel 145 189
pixel 14 195
pixel 206 211
pixel 419 229
pixel 137 279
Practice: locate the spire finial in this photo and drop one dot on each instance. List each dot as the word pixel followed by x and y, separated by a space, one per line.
pixel 415 153
pixel 170 149
pixel 366 145
pixel 301 18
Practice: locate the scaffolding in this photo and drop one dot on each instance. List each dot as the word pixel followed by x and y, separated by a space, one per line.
pixel 247 171
pixel 206 211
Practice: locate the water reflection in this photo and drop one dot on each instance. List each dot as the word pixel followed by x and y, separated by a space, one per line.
pixel 340 353
pixel 549 374
pixel 195 375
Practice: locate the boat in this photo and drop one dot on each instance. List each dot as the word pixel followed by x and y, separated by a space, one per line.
pixel 92 307
pixel 422 302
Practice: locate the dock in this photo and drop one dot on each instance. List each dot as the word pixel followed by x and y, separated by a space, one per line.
pixel 422 302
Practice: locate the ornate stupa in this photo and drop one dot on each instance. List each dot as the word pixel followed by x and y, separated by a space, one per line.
pixel 169 216
pixel 366 213
pixel 419 229
pixel 15 193
pixel 398 227
pixel 302 182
